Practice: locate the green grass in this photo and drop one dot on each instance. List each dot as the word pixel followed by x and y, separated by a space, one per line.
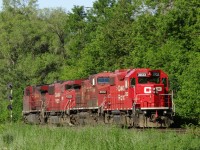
pixel 33 137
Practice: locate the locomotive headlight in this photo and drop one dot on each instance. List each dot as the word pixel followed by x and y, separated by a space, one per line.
pixel 165 112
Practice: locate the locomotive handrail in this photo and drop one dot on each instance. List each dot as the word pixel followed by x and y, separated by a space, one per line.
pixel 67 105
pixel 103 103
pixel 173 105
pixel 101 106
pixel 46 103
pixel 172 99
pixel 42 108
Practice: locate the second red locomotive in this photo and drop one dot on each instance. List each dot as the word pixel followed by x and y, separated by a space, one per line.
pixel 130 97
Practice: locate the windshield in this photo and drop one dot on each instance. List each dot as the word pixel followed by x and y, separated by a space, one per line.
pixel 144 80
pixel 103 80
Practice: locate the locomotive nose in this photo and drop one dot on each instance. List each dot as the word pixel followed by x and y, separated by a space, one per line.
pixel 151 95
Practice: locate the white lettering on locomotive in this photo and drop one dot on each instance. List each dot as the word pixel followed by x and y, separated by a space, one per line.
pixel 158 89
pixel 120 88
pixel 142 74
pixel 147 90
pixel 121 97
pixel 57 100
pixel 156 74
pixel 57 94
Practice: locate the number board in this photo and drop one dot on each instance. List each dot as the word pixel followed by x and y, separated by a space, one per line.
pixel 142 74
pixel 156 74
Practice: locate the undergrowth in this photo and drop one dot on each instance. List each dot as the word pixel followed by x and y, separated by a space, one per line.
pixel 33 137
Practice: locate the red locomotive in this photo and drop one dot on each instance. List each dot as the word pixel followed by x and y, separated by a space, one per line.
pixel 130 97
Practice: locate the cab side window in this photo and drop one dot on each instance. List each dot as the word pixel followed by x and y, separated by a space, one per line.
pixel 67 87
pixel 76 86
pixel 164 81
pixel 132 82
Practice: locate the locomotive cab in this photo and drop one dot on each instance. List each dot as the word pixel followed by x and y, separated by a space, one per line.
pixel 149 91
pixel 96 88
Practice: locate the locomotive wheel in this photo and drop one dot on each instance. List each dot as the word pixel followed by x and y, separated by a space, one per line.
pixel 100 120
pixel 86 118
pixel 74 120
pixel 128 121
pixel 37 119
pixel 25 119
pixel 89 120
pixel 108 119
pixel 167 122
pixel 41 120
pixel 135 120
pixel 65 120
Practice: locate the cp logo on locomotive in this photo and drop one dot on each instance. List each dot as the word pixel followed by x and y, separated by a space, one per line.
pixel 147 89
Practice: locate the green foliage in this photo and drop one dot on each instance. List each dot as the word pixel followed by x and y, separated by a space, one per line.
pixel 4 113
pixel 41 46
pixel 188 102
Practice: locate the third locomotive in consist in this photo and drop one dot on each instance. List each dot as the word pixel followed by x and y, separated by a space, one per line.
pixel 129 97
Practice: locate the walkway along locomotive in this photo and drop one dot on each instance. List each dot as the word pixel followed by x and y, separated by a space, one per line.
pixel 130 97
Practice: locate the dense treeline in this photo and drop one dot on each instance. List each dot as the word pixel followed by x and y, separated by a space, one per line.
pixel 43 45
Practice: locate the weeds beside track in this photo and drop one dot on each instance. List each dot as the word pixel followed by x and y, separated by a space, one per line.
pixel 33 137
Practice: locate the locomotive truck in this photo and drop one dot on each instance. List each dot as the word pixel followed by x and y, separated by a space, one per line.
pixel 130 97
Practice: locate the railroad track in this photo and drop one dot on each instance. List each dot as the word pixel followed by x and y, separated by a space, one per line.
pixel 164 130
pixel 177 130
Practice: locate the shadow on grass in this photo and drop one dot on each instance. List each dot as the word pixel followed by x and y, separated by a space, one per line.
pixel 180 121
pixel 8 139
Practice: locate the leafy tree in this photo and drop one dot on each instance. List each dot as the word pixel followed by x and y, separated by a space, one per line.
pixel 188 102
pixel 43 45
pixel 32 47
